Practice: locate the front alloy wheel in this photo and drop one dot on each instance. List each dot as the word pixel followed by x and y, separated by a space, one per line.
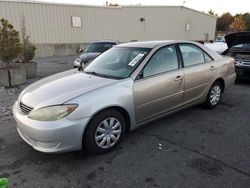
pixel 108 133
pixel 104 132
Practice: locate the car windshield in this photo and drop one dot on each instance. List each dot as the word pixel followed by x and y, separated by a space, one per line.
pixel 99 47
pixel 118 62
pixel 219 39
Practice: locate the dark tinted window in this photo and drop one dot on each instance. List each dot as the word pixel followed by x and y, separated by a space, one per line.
pixel 247 45
pixel 98 47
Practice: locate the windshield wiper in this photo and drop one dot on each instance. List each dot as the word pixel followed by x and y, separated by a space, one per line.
pixel 97 74
pixel 101 75
pixel 91 72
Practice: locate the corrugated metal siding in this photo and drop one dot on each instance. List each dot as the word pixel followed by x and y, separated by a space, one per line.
pixel 51 23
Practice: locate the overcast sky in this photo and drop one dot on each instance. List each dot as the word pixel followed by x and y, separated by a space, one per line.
pixel 219 6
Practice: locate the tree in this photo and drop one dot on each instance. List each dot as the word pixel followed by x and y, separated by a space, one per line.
pixel 238 24
pixel 28 49
pixel 212 13
pixel 224 21
pixel 10 46
pixel 246 17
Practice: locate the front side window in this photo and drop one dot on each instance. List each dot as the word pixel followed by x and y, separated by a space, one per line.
pixel 117 62
pixel 191 54
pixel 165 59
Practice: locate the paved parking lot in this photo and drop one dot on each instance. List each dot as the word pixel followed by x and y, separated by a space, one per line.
pixel 192 148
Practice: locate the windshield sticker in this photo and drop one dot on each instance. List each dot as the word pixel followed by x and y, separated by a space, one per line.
pixel 135 60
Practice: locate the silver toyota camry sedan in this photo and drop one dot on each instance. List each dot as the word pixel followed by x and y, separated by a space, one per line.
pixel 127 86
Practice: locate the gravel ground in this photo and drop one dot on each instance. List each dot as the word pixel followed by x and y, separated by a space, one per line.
pixel 192 148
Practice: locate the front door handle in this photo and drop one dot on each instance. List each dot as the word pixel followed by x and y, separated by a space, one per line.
pixel 178 78
pixel 212 68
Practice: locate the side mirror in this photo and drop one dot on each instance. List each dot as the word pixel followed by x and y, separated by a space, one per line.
pixel 140 75
pixel 77 63
pixel 81 50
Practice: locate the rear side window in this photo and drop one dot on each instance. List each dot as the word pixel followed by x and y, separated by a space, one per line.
pixel 207 58
pixel 193 55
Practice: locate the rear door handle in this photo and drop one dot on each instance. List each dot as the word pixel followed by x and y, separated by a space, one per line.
pixel 212 68
pixel 178 78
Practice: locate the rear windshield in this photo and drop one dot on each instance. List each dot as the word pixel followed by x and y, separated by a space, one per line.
pixel 219 39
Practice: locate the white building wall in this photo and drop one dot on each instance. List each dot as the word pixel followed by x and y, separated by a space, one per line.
pixel 51 23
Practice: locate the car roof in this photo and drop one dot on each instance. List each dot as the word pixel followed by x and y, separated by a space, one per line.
pixel 159 43
pixel 105 41
pixel 147 44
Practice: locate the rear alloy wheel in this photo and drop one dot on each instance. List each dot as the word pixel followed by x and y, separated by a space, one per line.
pixel 214 95
pixel 104 132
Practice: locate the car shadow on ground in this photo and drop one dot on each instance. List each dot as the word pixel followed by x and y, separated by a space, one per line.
pixel 30 157
pixel 242 81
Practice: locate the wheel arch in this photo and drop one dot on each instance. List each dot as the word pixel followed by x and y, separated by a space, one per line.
pixel 120 109
pixel 222 82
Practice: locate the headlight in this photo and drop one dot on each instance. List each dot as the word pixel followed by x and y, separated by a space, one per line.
pixel 52 113
pixel 237 62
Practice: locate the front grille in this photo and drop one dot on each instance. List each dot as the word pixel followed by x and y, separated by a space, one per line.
pixel 25 109
pixel 246 63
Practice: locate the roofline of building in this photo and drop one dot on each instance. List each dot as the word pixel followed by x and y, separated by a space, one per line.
pixel 112 7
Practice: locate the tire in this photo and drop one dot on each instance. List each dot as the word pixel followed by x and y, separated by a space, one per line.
pixel 214 95
pixel 104 132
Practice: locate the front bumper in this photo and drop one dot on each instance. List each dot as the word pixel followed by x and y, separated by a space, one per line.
pixel 242 72
pixel 50 137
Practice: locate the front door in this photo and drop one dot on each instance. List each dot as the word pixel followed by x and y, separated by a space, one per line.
pixel 160 88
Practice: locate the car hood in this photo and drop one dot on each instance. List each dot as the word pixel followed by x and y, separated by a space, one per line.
pixel 237 38
pixel 61 87
pixel 85 57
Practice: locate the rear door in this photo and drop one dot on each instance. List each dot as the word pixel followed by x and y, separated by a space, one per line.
pixel 199 71
pixel 160 88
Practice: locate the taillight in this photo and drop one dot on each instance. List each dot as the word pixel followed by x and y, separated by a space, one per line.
pixel 231 67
